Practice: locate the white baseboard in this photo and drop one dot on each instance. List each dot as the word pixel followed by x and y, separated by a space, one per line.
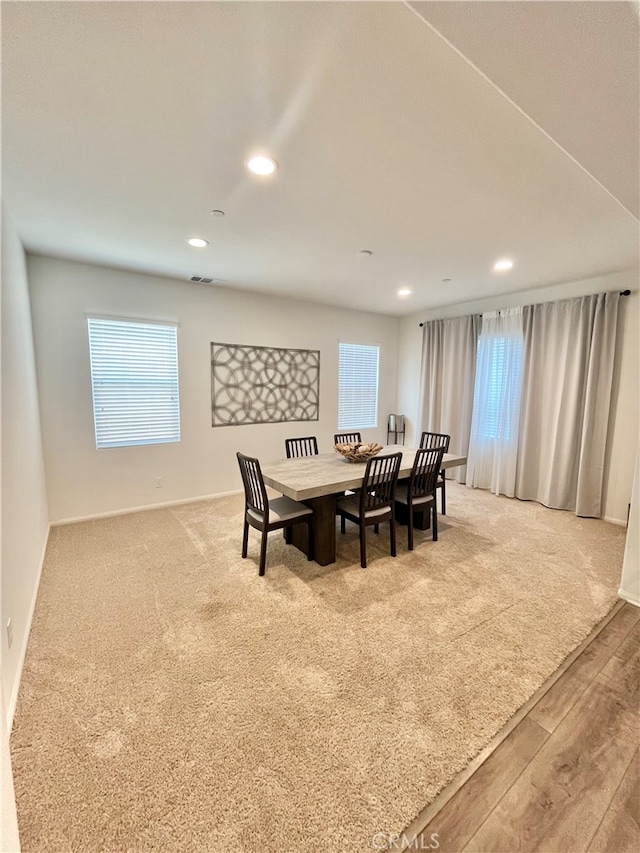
pixel 145 507
pixel 13 701
pixel 621 522
pixel 628 596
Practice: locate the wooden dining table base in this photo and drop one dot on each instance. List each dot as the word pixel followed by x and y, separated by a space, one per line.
pixel 324 530
pixel 421 518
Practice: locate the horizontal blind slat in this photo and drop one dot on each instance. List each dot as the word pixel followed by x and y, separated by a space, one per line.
pixel 358 386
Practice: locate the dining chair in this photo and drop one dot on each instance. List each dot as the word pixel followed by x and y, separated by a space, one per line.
pixel 419 491
pixel 266 515
pixel 375 501
pixel 347 438
pixel 295 447
pixel 435 440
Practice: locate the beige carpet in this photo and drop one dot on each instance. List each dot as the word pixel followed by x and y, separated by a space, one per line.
pixel 173 700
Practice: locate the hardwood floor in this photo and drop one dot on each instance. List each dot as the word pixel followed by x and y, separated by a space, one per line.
pixel 566 778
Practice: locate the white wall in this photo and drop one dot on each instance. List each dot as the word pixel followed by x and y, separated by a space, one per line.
pixel 625 420
pixel 24 513
pixel 83 481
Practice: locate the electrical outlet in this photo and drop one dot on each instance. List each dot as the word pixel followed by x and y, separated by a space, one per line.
pixel 159 482
pixel 9 632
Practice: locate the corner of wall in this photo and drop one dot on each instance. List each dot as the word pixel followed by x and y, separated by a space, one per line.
pixel 24 514
pixel 13 698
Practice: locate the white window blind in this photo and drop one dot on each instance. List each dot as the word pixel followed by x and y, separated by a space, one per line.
pixel 358 386
pixel 134 380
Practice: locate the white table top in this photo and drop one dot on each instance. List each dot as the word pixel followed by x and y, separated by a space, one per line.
pixel 328 473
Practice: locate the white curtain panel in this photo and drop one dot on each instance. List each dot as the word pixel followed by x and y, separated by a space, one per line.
pixel 449 350
pixel 493 448
pixel 567 384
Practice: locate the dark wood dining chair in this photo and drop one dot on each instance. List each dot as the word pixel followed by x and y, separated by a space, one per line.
pixel 375 501
pixel 347 438
pixel 266 515
pixel 436 440
pixel 418 493
pixel 295 447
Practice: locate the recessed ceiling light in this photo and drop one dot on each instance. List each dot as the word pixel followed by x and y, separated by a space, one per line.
pixel 365 253
pixel 404 291
pixel 217 212
pixel 262 165
pixel 198 242
pixel 502 265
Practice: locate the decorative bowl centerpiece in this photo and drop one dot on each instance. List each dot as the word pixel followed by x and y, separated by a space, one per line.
pixel 358 452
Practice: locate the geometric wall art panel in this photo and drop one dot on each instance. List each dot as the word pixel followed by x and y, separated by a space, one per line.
pixel 263 385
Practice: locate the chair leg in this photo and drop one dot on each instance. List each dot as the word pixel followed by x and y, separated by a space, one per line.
pixel 376 528
pixel 342 524
pixel 263 552
pixel 363 546
pixel 311 541
pixel 392 535
pixel 410 528
pixel 444 494
pixel 245 538
pixel 434 520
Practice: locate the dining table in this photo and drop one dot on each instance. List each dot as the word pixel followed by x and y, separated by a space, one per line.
pixel 318 481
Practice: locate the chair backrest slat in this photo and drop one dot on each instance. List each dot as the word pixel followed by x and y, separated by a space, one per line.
pixel 379 484
pixel 255 491
pixel 435 439
pixel 307 446
pixel 347 438
pixel 424 474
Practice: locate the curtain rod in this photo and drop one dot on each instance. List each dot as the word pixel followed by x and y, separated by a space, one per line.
pixel 622 293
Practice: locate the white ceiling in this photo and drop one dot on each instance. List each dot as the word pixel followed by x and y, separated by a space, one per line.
pixel 441 136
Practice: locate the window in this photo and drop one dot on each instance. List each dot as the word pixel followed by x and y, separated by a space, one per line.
pixel 358 386
pixel 502 388
pixel 134 380
pixel 497 393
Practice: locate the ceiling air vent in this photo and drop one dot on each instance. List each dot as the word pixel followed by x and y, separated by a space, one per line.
pixel 201 279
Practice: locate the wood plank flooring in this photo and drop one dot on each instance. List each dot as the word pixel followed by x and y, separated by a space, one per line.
pixel 566 779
